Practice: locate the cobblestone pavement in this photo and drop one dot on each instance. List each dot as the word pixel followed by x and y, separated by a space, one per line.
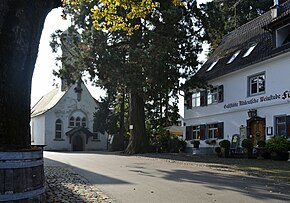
pixel 64 186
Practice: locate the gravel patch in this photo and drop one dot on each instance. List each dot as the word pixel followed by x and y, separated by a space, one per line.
pixel 63 185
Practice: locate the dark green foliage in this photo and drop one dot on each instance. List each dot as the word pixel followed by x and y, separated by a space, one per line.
pixel 261 143
pixel 222 16
pixel 247 144
pixel 225 144
pixel 277 144
pixel 195 143
pixel 105 119
pixel 163 141
pixel 147 66
pixel 218 150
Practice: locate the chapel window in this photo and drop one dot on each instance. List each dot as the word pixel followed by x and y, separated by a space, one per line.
pixel 72 121
pixel 78 121
pixel 58 129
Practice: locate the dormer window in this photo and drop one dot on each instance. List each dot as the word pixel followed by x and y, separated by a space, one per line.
pixel 234 56
pixel 212 65
pixel 282 35
pixel 249 51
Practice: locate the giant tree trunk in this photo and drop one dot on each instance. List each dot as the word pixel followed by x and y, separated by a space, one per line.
pixel 21 24
pixel 138 142
pixel 122 122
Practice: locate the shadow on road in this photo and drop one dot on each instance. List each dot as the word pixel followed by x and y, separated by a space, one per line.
pixel 97 178
pixel 214 175
pixel 250 186
pixel 64 184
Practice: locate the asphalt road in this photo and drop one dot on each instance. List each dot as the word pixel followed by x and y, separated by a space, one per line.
pixel 134 179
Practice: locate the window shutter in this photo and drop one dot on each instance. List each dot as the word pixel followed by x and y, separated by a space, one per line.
pixel 221 130
pixel 203 98
pixel 288 126
pixel 188 135
pixel 220 93
pixel 189 100
pixel 202 132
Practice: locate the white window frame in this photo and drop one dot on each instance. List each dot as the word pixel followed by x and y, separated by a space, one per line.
pixel 71 121
pixel 258 82
pixel 281 35
pixel 195 99
pixel 212 96
pixel 196 132
pixel 58 132
pixel 284 124
pixel 84 122
pixel 212 131
pixel 78 122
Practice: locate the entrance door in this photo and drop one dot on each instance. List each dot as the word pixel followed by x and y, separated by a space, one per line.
pixel 257 129
pixel 78 143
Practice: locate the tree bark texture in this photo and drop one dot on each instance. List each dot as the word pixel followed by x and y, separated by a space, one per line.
pixel 119 144
pixel 21 24
pixel 138 142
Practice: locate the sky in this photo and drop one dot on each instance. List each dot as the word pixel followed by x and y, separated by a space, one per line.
pixel 43 79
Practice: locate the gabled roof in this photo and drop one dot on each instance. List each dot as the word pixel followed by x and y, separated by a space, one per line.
pixel 79 129
pixel 242 39
pixel 47 102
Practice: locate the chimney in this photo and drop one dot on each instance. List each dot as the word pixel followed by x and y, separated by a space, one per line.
pixel 275 9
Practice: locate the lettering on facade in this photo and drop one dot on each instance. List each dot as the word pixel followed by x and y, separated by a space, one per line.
pixel 284 95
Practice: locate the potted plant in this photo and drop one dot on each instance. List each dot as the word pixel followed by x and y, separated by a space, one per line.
pixel 278 147
pixel 218 150
pixel 195 143
pixel 248 145
pixel 261 147
pixel 225 144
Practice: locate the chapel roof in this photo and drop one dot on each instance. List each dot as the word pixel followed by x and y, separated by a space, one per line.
pixel 239 41
pixel 47 102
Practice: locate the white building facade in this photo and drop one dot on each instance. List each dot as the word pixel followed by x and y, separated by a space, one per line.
pixel 63 120
pixel 249 94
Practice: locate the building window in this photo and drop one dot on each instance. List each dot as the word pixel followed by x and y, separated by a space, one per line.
pixel 84 122
pixel 58 129
pixel 212 65
pixel 282 35
pixel 234 56
pixel 256 84
pixel 212 131
pixel 249 51
pixel 95 127
pixel 196 99
pixel 281 127
pixel 212 96
pixel 78 121
pixel 72 121
pixel 215 130
pixel 96 136
pixel 196 132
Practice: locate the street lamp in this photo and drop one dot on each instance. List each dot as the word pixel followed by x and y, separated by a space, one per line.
pixel 252 113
